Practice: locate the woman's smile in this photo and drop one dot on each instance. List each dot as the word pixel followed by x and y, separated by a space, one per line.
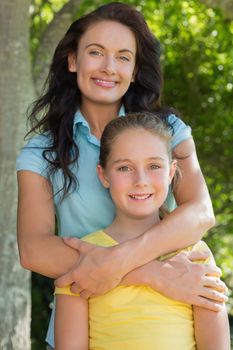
pixel 105 65
pixel 104 83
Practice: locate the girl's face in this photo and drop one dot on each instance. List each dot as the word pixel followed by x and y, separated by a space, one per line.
pixel 138 173
pixel 104 62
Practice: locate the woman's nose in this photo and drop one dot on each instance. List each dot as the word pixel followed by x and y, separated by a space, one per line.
pixel 109 66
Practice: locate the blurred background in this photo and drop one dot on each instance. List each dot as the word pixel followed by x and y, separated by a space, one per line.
pixel 197 60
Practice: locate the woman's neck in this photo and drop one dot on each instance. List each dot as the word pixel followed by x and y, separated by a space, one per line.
pixel 125 228
pixel 98 116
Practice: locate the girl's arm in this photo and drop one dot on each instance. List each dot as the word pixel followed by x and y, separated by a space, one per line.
pixel 211 329
pixel 71 323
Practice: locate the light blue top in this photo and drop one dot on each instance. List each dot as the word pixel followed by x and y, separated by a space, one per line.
pixel 89 208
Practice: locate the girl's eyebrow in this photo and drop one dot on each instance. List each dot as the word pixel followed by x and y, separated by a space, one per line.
pixel 102 47
pixel 123 160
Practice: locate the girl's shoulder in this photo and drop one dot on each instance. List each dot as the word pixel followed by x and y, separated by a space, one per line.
pixel 201 246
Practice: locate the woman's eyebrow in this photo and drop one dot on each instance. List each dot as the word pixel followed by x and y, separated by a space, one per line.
pixel 102 47
pixel 95 44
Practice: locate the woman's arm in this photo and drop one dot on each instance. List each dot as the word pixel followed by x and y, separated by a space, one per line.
pixel 180 278
pixel 183 279
pixel 211 329
pixel 71 323
pixel 40 250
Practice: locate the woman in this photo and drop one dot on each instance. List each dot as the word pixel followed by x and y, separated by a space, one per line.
pixel 107 63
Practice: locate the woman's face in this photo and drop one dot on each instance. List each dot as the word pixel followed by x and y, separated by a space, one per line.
pixel 104 62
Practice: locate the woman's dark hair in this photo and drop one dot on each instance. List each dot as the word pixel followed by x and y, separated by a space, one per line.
pixel 54 111
pixel 133 121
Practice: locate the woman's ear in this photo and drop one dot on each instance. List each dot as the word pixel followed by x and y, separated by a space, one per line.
pixel 102 176
pixel 172 171
pixel 134 74
pixel 72 62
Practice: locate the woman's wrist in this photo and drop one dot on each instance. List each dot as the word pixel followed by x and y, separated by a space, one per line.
pixel 127 255
pixel 148 274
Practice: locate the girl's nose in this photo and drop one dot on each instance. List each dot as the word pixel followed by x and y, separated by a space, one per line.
pixel 141 179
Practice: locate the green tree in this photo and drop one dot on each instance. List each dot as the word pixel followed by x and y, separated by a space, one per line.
pixel 16 92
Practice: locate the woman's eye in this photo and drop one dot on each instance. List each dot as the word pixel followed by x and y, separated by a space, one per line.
pixel 95 53
pixel 124 168
pixel 124 58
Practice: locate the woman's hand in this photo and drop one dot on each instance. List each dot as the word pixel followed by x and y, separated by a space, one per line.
pixel 184 280
pixel 98 270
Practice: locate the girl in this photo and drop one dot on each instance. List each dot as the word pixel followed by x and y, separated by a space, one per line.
pixel 106 64
pixel 136 166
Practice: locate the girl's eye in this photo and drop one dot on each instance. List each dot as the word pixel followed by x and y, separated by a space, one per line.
pixel 154 166
pixel 124 168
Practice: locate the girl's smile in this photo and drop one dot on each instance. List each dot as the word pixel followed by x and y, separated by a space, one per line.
pixel 138 173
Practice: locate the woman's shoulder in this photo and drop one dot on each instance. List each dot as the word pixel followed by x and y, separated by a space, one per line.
pixel 31 155
pixel 39 140
pixel 180 130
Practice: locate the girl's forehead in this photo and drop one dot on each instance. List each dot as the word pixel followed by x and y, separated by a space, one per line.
pixel 136 138
pixel 136 132
pixel 137 146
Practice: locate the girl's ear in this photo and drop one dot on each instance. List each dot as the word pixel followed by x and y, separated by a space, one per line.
pixel 102 176
pixel 172 171
pixel 72 66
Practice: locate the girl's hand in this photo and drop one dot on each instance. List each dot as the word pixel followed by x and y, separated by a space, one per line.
pixel 97 272
pixel 181 279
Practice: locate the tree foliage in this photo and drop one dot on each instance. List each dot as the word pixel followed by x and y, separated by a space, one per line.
pixel 197 61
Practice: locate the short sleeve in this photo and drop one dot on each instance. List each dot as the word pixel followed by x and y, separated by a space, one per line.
pixel 201 246
pixel 31 155
pixel 181 131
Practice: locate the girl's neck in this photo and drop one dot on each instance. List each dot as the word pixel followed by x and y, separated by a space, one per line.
pixel 98 116
pixel 125 228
